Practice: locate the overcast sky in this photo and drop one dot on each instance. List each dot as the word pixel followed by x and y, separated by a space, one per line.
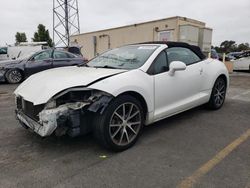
pixel 229 19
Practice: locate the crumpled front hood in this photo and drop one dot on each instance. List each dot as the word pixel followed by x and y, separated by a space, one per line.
pixel 41 87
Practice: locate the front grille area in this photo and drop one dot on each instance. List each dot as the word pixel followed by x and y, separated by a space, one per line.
pixel 19 103
pixel 28 108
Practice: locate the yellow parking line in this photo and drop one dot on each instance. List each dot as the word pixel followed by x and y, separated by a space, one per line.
pixel 204 169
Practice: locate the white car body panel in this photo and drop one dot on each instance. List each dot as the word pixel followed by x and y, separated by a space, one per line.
pixel 169 95
pixel 132 81
pixel 212 70
pixel 242 64
pixel 41 87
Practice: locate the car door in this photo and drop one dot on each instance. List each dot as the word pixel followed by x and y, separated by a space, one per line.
pixel 39 62
pixel 61 59
pixel 178 92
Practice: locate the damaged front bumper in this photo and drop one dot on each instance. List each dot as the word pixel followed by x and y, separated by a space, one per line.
pixel 72 119
pixel 51 119
pixel 28 122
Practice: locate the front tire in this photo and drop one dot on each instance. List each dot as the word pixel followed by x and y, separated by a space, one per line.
pixel 218 94
pixel 119 127
pixel 14 76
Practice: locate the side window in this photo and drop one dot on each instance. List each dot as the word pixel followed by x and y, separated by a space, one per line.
pixel 43 55
pixel 3 51
pixel 60 55
pixel 159 65
pixel 182 54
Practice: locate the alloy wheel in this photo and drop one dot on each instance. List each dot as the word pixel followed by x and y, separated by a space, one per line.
pixel 125 124
pixel 15 76
pixel 220 92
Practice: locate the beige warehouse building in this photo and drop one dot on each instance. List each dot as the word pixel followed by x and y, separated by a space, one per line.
pixel 170 29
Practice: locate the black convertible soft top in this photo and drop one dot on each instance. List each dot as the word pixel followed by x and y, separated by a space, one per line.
pixel 194 48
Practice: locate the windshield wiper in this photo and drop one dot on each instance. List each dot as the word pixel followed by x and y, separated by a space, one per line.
pixel 83 65
pixel 106 67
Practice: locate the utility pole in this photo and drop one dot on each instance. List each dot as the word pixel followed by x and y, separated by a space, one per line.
pixel 65 21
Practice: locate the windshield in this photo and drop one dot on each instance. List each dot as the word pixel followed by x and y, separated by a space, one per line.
pixel 127 57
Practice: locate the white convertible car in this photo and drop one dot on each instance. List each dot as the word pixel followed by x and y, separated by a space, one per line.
pixel 117 93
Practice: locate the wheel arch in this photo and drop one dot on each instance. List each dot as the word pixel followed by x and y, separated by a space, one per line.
pixel 224 77
pixel 212 103
pixel 140 98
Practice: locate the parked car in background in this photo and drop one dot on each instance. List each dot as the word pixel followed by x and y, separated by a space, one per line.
pixel 234 55
pixel 242 62
pixel 120 91
pixel 16 71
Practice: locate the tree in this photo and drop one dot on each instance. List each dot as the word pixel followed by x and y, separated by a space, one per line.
pixel 231 46
pixel 243 46
pixel 228 46
pixel 20 37
pixel 42 35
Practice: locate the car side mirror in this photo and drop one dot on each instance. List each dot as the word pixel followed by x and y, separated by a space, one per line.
pixel 176 66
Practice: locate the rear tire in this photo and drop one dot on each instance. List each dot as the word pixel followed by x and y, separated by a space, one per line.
pixel 14 76
pixel 218 94
pixel 119 127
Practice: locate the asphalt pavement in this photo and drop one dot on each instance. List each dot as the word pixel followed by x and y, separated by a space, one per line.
pixel 198 148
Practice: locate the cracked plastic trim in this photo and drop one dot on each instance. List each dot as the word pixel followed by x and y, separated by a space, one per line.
pixel 101 104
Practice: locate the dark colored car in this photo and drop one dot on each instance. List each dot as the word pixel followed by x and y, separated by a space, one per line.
pixel 18 70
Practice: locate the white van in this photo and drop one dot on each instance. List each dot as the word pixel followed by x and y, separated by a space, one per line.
pixel 24 49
